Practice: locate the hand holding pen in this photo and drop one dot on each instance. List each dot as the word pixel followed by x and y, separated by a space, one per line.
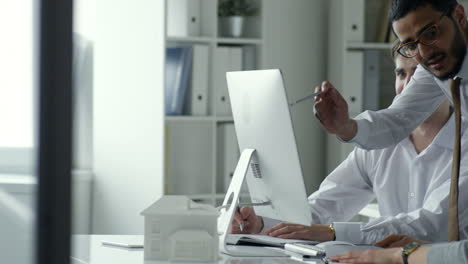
pixel 246 221
pixel 241 223
pixel 331 109
pixel 317 93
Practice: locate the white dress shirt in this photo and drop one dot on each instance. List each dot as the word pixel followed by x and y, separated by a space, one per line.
pixel 412 191
pixel 423 94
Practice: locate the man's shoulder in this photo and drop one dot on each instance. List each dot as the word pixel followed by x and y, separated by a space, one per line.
pixel 423 75
pixel 378 154
pixel 423 83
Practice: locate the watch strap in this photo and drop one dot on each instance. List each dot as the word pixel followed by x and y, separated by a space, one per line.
pixel 407 250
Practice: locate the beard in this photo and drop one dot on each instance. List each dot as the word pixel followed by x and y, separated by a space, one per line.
pixel 458 51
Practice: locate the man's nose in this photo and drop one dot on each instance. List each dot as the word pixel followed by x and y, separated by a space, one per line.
pixel 424 50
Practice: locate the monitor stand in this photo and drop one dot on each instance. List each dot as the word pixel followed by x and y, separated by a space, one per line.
pixel 228 210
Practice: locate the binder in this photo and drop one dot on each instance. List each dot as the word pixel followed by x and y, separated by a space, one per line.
pixel 354 30
pixel 229 153
pixel 225 59
pixel 371 80
pixel 177 73
pixel 249 58
pixel 183 18
pixel 197 99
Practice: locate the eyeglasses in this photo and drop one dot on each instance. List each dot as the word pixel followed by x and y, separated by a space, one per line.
pixel 428 37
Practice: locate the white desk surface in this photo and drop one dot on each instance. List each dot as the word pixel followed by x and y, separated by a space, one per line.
pixel 88 249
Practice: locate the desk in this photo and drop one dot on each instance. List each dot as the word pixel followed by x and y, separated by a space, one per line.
pixel 87 249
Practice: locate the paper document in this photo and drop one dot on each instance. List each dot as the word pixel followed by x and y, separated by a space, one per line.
pixel 263 240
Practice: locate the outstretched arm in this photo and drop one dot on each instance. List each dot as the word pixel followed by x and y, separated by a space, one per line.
pixel 380 129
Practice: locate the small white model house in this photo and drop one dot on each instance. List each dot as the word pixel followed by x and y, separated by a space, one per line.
pixel 178 229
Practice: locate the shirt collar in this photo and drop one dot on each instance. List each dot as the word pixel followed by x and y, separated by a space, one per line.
pixel 446 135
pixel 463 73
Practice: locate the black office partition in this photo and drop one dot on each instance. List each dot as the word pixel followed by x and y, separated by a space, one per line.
pixel 55 132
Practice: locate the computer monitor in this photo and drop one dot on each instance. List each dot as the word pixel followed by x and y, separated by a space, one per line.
pixel 263 122
pixel 269 158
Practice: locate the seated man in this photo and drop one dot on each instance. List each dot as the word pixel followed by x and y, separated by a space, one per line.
pixel 410 181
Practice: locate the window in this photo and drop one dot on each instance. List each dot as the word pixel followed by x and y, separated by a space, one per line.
pixel 16 85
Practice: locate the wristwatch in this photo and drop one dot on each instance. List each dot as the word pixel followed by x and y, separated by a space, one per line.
pixel 332 229
pixel 407 250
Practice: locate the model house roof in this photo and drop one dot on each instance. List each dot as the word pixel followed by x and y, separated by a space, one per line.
pixel 179 205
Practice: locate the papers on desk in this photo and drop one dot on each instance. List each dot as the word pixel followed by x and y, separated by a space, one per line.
pixel 262 245
pixel 263 240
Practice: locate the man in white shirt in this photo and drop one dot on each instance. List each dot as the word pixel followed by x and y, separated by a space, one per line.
pixel 410 181
pixel 433 33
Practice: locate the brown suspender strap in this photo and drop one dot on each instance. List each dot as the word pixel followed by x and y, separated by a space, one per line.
pixel 453 234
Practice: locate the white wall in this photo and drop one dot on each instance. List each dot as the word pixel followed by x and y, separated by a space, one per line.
pixel 295 42
pixel 128 113
pixel 84 32
pixel 84 29
pixel 84 20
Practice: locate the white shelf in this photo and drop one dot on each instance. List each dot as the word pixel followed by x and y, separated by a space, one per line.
pixel 207 40
pixel 191 39
pixel 222 119
pixel 222 195
pixel 247 41
pixel 201 196
pixel 190 118
pixel 368 46
pixel 213 196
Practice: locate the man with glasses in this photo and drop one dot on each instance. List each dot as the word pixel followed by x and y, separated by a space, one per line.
pixel 434 36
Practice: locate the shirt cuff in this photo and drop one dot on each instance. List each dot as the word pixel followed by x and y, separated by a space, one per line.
pixel 348 231
pixel 362 133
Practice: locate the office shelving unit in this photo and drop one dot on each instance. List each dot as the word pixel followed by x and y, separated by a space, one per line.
pixel 195 165
pixel 195 145
pixel 355 58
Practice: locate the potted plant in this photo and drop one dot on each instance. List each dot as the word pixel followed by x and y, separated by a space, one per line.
pixel 232 15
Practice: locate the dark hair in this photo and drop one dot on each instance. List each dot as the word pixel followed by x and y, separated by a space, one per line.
pixel 401 8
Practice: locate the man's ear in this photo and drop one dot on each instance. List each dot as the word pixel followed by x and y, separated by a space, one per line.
pixel 459 15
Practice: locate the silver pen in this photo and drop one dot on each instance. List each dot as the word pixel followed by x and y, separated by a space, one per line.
pixel 241 224
pixel 305 98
